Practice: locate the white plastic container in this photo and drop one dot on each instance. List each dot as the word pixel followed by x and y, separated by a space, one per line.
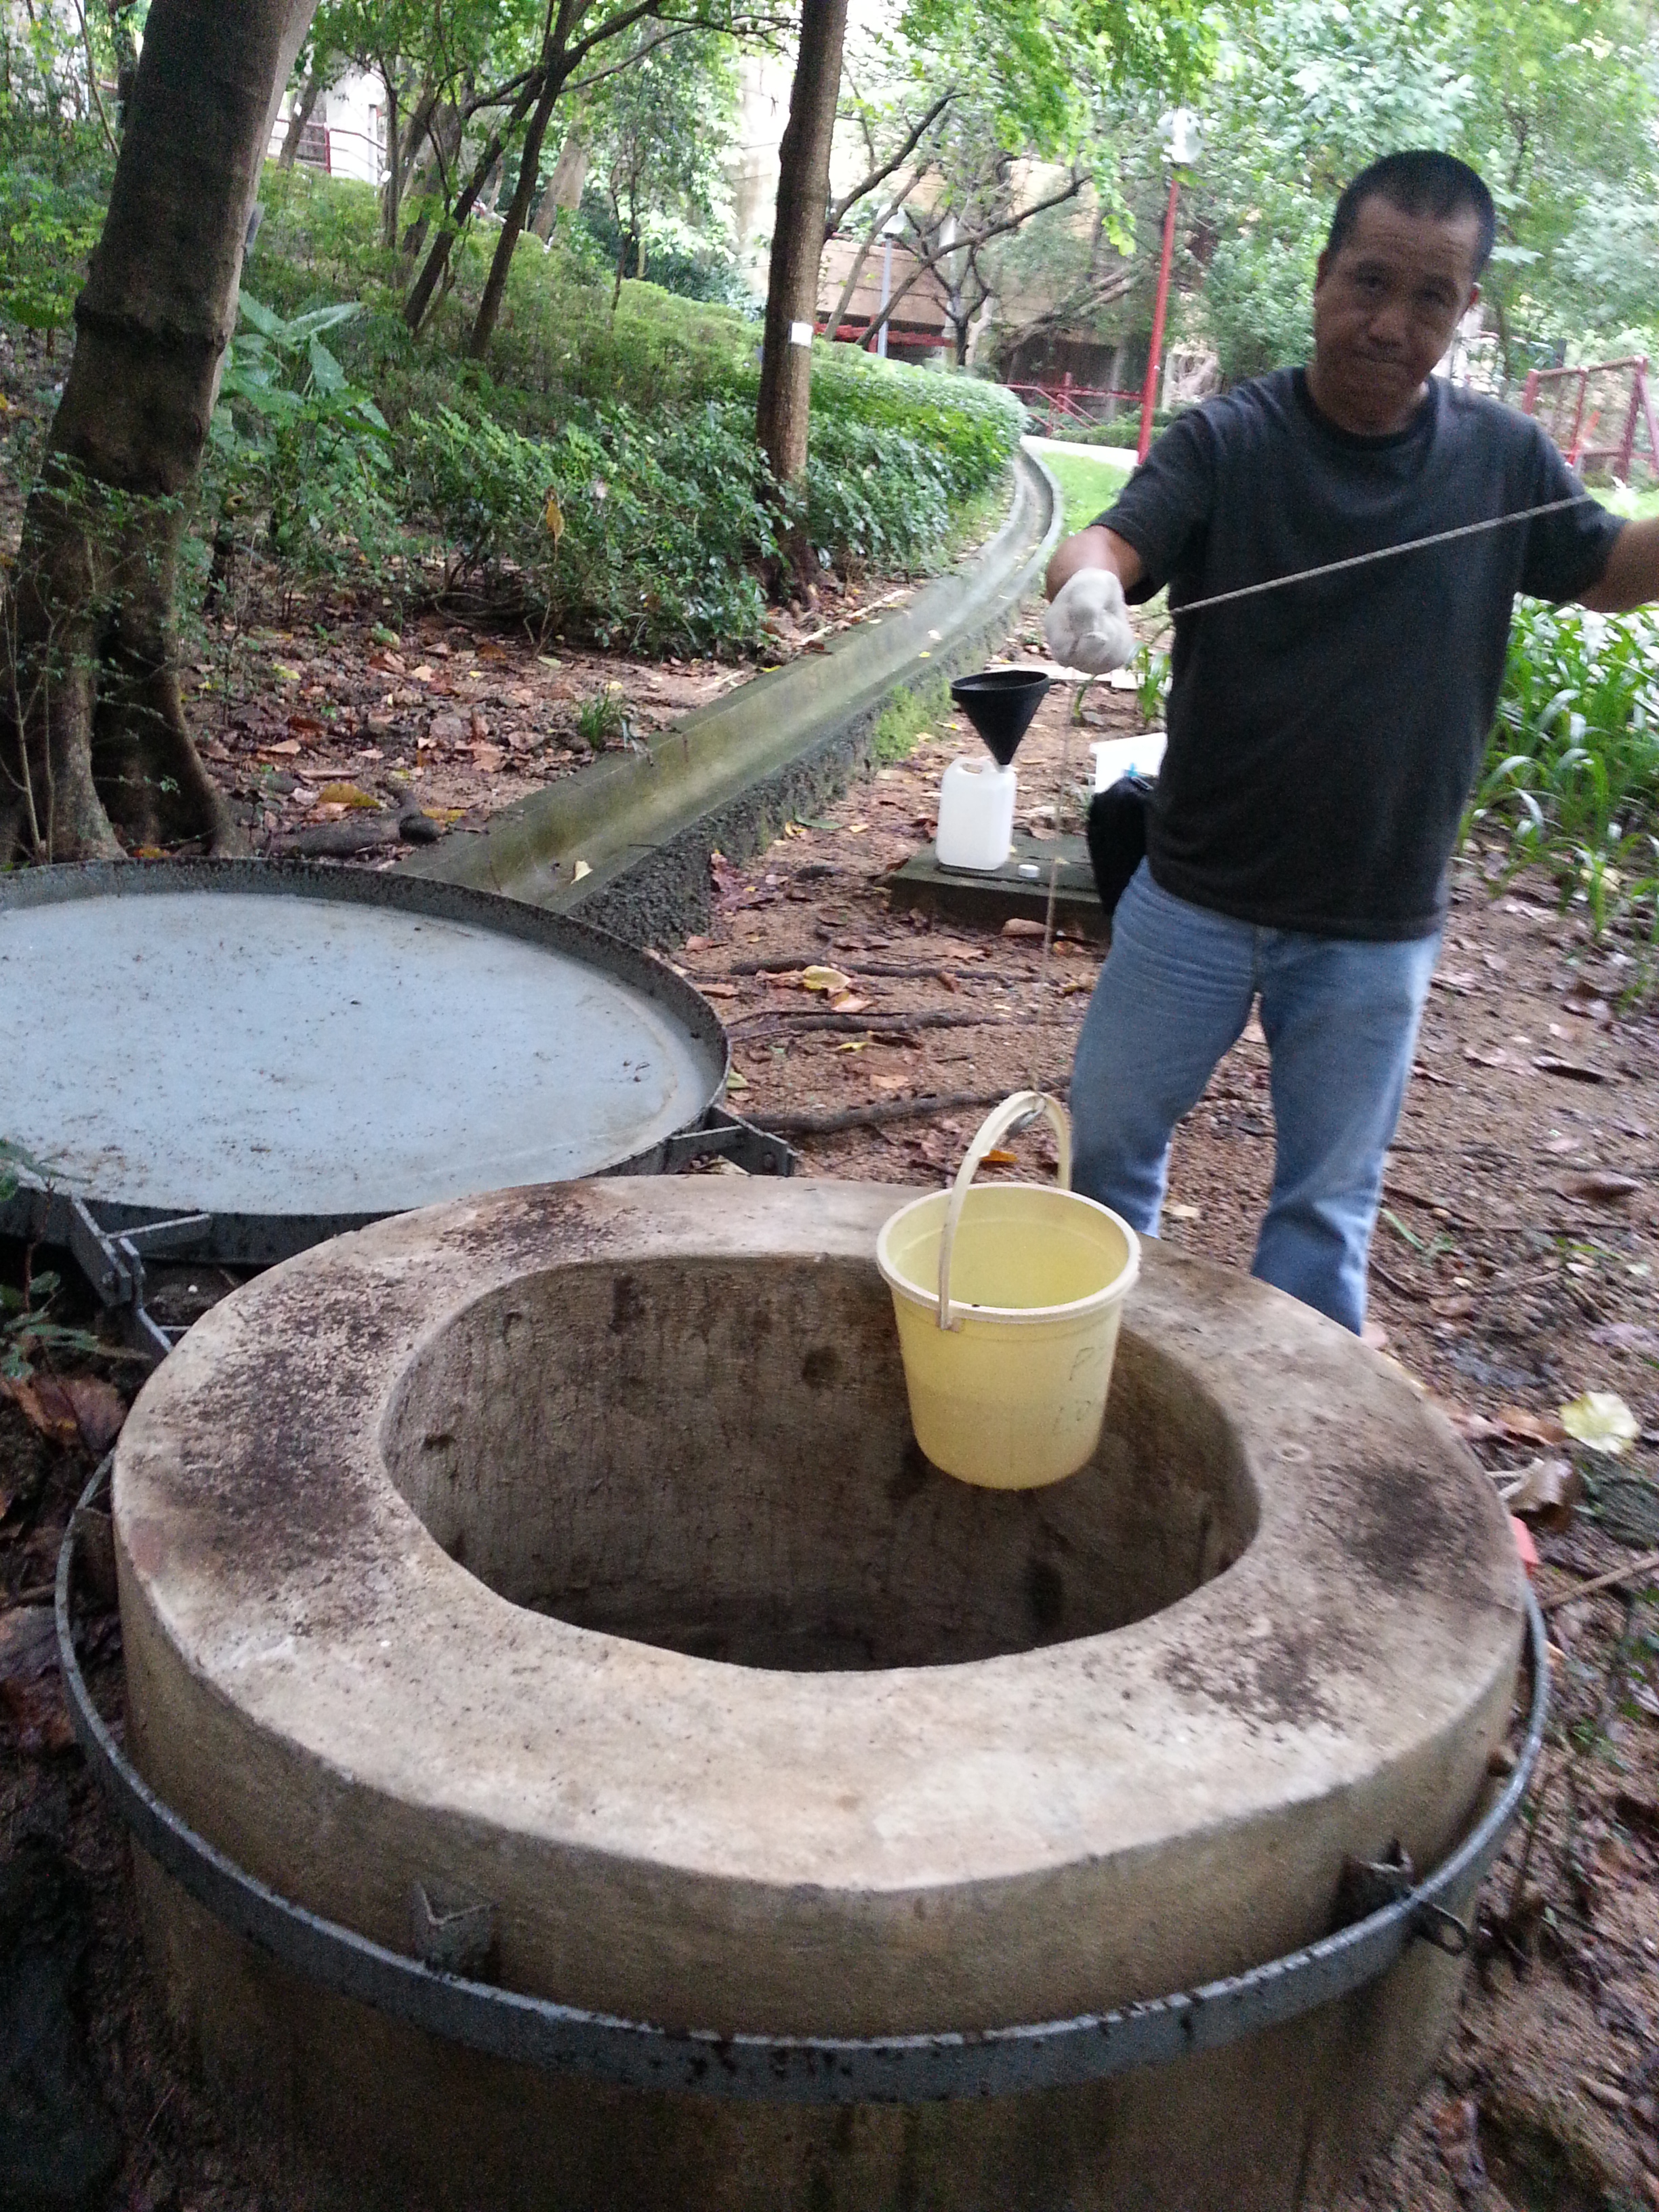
pixel 976 815
pixel 1117 757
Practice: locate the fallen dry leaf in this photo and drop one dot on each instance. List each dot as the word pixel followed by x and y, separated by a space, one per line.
pixel 1551 1063
pixel 99 1409
pixel 1602 1184
pixel 718 990
pixel 1018 925
pixel 825 978
pixel 1473 1428
pixel 1601 1421
pixel 848 1002
pixel 44 1405
pixel 345 794
pixel 1496 1058
pixel 1544 1489
pixel 1180 1212
pixel 1521 1426
pixel 1457 2128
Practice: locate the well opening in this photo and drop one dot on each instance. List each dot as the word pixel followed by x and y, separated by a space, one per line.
pixel 715 1456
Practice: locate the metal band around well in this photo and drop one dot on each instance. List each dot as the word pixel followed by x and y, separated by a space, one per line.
pixel 802 2069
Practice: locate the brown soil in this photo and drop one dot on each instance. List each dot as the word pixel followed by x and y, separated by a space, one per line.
pixel 1510 1275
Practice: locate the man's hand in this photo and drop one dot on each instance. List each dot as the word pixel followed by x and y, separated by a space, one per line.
pixel 1088 625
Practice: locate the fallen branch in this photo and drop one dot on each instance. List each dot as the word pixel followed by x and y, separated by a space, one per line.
pixel 1393 1283
pixel 968 972
pixel 863 1024
pixel 1612 1579
pixel 873 1115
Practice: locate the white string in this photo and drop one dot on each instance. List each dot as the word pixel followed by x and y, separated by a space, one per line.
pixel 1382 553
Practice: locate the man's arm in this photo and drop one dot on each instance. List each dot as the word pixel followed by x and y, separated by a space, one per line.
pixel 1097 548
pixel 1630 580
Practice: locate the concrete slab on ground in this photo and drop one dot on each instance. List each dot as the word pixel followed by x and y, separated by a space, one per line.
pixel 987 900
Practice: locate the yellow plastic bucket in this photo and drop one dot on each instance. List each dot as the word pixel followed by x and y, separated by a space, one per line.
pixel 1008 1298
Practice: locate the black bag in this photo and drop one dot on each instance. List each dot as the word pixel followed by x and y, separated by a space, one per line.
pixel 1117 835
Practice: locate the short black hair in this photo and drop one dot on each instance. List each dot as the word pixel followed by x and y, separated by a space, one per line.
pixel 1420 182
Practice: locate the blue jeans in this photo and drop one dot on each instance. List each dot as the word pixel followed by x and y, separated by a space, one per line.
pixel 1341 1017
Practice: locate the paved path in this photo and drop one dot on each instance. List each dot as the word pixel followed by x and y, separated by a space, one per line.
pixel 1115 457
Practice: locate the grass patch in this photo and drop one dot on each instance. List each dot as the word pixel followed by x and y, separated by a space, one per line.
pixel 1087 488
pixel 1637 506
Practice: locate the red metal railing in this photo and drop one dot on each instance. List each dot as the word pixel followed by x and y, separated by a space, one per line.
pixel 333 150
pixel 1572 403
pixel 1066 402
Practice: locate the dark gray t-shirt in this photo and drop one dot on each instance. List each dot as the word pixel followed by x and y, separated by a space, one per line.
pixel 1324 738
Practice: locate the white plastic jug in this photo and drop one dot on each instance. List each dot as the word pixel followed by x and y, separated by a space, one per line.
pixel 976 815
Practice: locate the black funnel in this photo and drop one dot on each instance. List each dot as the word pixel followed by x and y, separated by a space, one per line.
pixel 999 702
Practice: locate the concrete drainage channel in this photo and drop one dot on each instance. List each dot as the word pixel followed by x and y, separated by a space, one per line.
pixel 656 1786
pixel 729 775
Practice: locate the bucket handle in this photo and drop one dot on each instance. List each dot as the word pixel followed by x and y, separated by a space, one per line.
pixel 1016 1112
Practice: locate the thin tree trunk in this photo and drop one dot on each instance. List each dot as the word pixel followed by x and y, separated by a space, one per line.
pixel 304 108
pixel 529 163
pixel 420 296
pixel 786 379
pixel 443 145
pixel 389 193
pixel 92 732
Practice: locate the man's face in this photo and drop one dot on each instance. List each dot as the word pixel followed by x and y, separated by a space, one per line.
pixel 1385 307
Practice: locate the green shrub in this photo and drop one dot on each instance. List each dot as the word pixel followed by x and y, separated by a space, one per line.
pixel 298 447
pixel 1572 776
pixel 634 532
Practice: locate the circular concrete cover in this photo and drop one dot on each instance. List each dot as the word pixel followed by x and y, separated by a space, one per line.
pixel 259 1041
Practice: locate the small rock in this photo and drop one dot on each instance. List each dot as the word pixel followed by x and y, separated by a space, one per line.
pixel 448 730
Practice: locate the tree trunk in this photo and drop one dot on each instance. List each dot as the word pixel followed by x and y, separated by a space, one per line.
pixel 432 170
pixel 530 164
pixel 565 188
pixel 792 297
pixel 389 192
pixel 92 732
pixel 420 296
pixel 304 108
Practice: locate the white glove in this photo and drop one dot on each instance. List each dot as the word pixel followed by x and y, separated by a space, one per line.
pixel 1088 625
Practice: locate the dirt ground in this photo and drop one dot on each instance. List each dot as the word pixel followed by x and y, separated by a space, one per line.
pixel 1514 1269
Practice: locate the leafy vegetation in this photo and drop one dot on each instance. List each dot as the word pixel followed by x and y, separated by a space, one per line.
pixel 1572 778
pixel 1555 104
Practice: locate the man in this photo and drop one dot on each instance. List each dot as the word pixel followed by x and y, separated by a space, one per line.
pixel 1323 739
